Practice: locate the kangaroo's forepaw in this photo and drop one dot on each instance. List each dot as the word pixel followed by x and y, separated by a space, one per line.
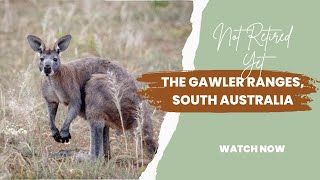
pixel 57 137
pixel 65 137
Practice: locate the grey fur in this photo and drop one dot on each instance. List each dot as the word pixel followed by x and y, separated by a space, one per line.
pixel 83 86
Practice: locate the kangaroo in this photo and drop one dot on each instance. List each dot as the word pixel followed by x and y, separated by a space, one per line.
pixel 82 85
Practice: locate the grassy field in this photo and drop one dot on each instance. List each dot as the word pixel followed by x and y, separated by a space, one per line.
pixel 142 36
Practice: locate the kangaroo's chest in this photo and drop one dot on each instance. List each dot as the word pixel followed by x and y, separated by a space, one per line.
pixel 54 92
pixel 61 95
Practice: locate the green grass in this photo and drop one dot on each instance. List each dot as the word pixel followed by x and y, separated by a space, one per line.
pixel 142 36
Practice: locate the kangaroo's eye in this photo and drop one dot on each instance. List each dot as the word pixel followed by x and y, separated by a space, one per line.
pixel 55 59
pixel 41 59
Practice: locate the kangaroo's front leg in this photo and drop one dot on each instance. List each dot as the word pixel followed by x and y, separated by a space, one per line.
pixel 96 138
pixel 52 111
pixel 73 111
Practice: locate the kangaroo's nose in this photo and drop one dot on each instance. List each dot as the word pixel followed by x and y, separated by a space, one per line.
pixel 47 67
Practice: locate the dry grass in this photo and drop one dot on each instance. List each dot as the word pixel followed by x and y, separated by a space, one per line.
pixel 142 36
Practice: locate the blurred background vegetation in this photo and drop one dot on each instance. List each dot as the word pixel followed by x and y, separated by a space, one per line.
pixel 142 36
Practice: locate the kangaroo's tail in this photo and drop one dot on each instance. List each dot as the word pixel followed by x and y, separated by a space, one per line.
pixel 147 129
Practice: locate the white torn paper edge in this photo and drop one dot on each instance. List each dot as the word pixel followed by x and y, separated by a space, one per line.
pixel 171 120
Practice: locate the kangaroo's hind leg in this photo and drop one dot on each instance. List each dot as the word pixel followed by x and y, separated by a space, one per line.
pixel 97 138
pixel 106 144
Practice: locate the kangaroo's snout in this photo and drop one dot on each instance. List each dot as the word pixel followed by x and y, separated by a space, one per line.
pixel 47 69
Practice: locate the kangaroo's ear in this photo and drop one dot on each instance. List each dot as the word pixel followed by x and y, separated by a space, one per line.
pixel 62 43
pixel 36 43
